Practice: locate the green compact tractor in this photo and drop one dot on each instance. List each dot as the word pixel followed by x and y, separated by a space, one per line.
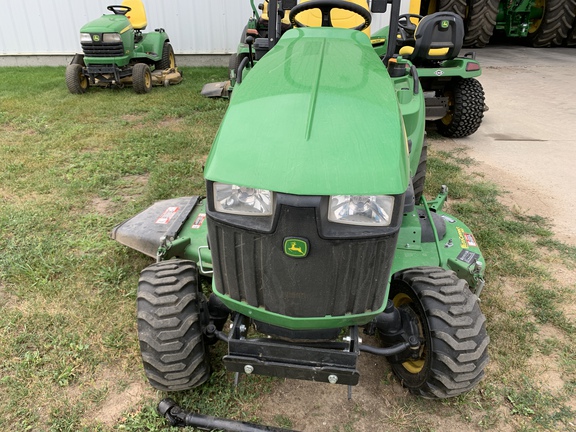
pixel 454 98
pixel 314 229
pixel 117 52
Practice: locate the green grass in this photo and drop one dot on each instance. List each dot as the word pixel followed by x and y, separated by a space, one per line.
pixel 71 167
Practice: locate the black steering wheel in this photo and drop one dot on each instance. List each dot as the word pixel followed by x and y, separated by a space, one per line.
pixel 119 9
pixel 326 7
pixel 405 23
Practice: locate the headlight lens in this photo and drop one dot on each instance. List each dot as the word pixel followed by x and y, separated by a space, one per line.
pixel 375 210
pixel 111 38
pixel 243 200
pixel 85 37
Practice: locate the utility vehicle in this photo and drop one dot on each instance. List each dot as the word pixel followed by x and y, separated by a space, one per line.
pixel 314 228
pixel 116 52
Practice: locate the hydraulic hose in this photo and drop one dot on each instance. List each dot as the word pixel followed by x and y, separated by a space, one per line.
pixel 178 417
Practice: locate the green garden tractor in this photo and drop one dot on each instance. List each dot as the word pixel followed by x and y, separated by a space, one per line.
pixel 116 53
pixel 314 228
pixel 454 98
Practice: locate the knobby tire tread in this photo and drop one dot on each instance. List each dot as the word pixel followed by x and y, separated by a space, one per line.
pixel 467 110
pixel 169 326
pixel 456 329
pixel 480 22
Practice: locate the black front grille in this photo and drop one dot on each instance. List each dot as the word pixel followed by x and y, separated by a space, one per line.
pixel 338 277
pixel 103 49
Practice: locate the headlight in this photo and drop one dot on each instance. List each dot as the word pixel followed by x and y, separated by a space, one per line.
pixel 243 200
pixel 85 37
pixel 361 210
pixel 111 38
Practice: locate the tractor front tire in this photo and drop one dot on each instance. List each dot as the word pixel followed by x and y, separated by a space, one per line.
pixel 465 108
pixel 168 60
pixel 141 78
pixel 76 81
pixel 452 328
pixel 170 308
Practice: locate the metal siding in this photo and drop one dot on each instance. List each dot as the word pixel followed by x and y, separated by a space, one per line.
pixel 194 26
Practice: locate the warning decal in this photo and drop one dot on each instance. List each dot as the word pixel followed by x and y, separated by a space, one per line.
pixel 199 221
pixel 468 256
pixel 167 216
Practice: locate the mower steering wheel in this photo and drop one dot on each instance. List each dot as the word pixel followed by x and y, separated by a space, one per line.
pixel 405 23
pixel 326 7
pixel 119 9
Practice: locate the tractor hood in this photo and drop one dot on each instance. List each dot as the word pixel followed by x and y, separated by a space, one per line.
pixel 318 115
pixel 107 24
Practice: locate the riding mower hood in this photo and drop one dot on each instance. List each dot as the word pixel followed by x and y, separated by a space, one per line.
pixel 314 230
pixel 116 53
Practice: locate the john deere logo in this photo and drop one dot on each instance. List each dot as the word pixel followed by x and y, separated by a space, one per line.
pixel 96 38
pixel 445 24
pixel 296 247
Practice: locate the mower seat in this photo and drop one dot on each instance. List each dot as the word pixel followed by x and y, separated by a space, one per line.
pixel 340 18
pixel 137 15
pixel 438 37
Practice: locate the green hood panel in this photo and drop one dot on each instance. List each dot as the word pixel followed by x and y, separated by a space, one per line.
pixel 106 24
pixel 317 115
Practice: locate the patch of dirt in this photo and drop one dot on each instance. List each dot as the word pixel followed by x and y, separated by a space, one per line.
pixel 120 398
pixel 172 123
pixel 520 195
pixel 102 206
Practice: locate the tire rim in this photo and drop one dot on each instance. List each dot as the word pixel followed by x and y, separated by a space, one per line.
pixel 447 119
pixel 148 79
pixel 172 60
pixel 412 366
pixel 536 22
pixel 83 81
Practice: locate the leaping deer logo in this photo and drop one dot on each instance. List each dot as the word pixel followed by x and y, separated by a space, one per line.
pixel 295 248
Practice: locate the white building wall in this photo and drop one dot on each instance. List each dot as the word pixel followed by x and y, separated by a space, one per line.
pixel 51 27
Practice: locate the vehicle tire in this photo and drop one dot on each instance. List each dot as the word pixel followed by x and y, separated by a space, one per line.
pixel 141 78
pixel 465 108
pixel 571 39
pixel 452 328
pixel 169 307
pixel 76 81
pixel 168 59
pixel 554 25
pixel 420 177
pixel 456 6
pixel 480 22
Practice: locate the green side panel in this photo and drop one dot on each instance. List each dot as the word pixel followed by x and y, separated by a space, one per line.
pixel 292 323
pixel 151 46
pixel 191 242
pixel 106 24
pixel 457 250
pixel 412 108
pixel 317 115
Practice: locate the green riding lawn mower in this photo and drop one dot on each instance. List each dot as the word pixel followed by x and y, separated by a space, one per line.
pixel 314 230
pixel 454 98
pixel 117 53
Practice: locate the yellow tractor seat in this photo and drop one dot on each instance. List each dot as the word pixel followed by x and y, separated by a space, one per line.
pixel 137 15
pixel 340 18
pixel 438 37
